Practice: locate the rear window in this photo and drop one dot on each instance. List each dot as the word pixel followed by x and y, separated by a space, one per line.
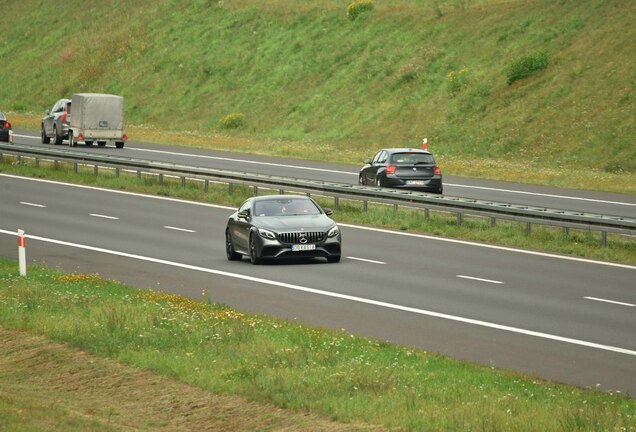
pixel 412 158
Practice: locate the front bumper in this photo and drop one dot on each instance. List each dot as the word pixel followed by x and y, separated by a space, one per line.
pixel 273 248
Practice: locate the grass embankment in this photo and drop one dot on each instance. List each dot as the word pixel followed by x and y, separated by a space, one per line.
pixel 312 84
pixel 224 352
pixel 620 249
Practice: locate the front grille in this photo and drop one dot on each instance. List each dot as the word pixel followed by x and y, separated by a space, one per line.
pixel 295 237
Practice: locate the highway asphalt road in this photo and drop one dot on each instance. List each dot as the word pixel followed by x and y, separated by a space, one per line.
pixel 565 319
pixel 539 196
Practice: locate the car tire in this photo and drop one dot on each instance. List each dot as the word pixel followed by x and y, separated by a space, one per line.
pixel 378 182
pixel 70 139
pixel 45 139
pixel 232 255
pixel 58 138
pixel 119 144
pixel 254 257
pixel 360 182
pixel 333 259
pixel 440 190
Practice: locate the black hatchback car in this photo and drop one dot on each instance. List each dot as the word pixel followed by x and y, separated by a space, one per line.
pixel 5 128
pixel 403 168
pixel 282 226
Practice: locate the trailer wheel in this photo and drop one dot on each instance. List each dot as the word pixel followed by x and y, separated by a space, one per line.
pixel 101 143
pixel 70 139
pixel 88 143
pixel 119 144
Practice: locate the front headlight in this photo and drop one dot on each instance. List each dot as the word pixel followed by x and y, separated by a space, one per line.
pixel 266 234
pixel 333 232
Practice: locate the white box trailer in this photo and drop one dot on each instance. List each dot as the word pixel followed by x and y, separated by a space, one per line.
pixel 97 117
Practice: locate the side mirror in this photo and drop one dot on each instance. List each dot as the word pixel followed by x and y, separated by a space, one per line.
pixel 367 161
pixel 328 211
pixel 47 112
pixel 244 215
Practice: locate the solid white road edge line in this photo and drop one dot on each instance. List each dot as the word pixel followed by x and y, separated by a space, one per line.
pixel 179 229
pixel 32 204
pixel 103 216
pixel 355 174
pixel 479 279
pixel 609 301
pixel 423 236
pixel 336 295
pixel 365 260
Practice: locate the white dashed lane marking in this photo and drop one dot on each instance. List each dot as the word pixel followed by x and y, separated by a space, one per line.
pixel 179 229
pixel 479 279
pixel 609 301
pixel 103 216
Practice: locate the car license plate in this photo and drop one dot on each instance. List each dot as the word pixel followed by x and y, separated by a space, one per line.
pixel 416 182
pixel 303 247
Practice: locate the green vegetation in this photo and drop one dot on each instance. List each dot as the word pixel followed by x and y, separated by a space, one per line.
pixel 336 374
pixel 621 249
pixel 527 66
pixel 314 84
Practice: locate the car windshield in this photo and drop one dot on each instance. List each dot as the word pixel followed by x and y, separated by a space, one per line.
pixel 285 207
pixel 2 117
pixel 412 158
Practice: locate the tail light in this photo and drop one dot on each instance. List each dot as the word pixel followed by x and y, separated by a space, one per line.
pixel 7 125
pixel 436 170
pixel 390 169
pixel 63 117
pixel 80 137
pixel 125 137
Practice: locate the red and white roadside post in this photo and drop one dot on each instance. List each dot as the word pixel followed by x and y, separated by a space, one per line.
pixel 425 144
pixel 21 252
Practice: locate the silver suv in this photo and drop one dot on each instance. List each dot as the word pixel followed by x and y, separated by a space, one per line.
pixel 56 122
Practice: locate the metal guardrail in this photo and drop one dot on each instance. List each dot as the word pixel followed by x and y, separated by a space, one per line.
pixel 460 206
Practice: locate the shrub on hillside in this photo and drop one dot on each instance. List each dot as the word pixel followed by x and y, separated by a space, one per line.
pixel 526 66
pixel 232 121
pixel 357 7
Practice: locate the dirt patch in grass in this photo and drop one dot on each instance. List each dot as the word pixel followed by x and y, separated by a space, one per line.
pixel 48 386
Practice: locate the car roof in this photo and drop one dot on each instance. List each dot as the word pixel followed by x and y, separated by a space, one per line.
pixel 272 197
pixel 405 150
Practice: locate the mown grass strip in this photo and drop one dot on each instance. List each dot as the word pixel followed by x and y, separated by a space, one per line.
pixel 620 249
pixel 334 373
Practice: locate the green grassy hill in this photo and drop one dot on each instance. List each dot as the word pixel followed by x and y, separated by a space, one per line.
pixel 312 83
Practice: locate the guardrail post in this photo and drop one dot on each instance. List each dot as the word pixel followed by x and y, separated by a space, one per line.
pixel 183 182
pixel 37 161
pixel 161 179
pixel 206 186
pixel 493 222
pixel 528 228
pixel 255 190
pixel 116 172
pixel 365 205
pixel 426 213
pixel 75 167
pixel 139 174
pixel 19 159
pixel 336 202
pixel 566 231
pixel 96 169
pixel 603 238
pixel 230 188
pixel 460 218
pixel 395 208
